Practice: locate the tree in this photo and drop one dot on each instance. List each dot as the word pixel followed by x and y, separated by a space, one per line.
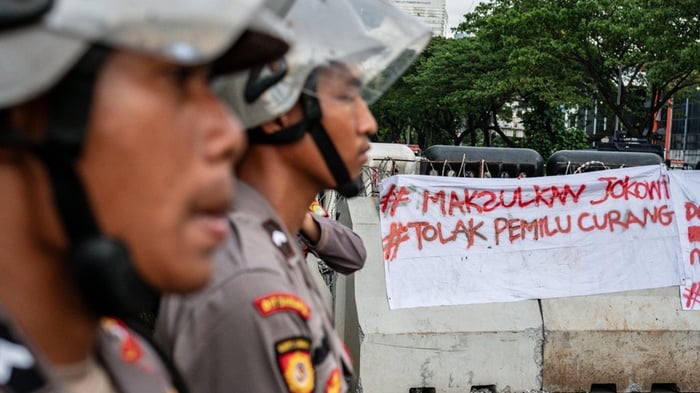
pixel 452 92
pixel 400 111
pixel 568 51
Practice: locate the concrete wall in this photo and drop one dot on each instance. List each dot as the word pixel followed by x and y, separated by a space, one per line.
pixel 635 340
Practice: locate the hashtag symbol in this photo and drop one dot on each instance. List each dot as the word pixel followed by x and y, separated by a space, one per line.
pixel 692 295
pixel 398 233
pixel 392 199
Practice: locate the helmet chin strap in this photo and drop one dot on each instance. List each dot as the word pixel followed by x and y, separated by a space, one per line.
pixel 311 123
pixel 346 186
pixel 101 266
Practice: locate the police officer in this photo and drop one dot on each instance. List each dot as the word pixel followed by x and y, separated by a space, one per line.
pixel 261 325
pixel 115 176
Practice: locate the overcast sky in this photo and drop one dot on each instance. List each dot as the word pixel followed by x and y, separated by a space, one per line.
pixel 455 10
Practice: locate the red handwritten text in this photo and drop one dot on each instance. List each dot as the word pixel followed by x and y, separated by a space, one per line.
pixel 519 229
pixel 393 199
pixel 615 219
pixel 692 211
pixel 481 201
pixel 391 242
pixel 694 255
pixel 627 189
pixel 426 231
pixel 692 295
pixel 694 233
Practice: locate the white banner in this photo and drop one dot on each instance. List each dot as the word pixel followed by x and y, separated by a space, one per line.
pixel 685 189
pixel 469 240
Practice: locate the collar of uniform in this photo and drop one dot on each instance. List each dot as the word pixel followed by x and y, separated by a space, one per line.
pixel 250 202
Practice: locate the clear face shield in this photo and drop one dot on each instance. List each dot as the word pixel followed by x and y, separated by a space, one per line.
pixel 403 38
pixel 374 38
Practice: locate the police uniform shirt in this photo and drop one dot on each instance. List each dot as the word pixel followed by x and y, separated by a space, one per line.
pixel 131 364
pixel 339 247
pixel 261 325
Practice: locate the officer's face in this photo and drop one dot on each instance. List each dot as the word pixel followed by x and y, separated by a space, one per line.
pixel 346 117
pixel 157 166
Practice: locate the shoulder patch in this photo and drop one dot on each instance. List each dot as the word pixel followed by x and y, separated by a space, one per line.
pixel 282 302
pixel 19 370
pixel 333 384
pixel 318 209
pixel 294 360
pixel 279 238
pixel 131 350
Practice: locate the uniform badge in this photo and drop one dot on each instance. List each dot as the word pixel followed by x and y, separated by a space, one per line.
pixel 294 359
pixel 13 356
pixel 18 368
pixel 279 238
pixel 318 209
pixel 282 302
pixel 131 351
pixel 333 384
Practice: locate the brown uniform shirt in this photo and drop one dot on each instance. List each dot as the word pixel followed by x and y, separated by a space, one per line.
pixel 261 325
pixel 132 365
pixel 339 247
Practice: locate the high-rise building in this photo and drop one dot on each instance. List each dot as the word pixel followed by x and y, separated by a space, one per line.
pixel 431 12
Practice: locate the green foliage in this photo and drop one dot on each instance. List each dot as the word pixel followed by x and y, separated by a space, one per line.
pixel 544 55
pixel 570 52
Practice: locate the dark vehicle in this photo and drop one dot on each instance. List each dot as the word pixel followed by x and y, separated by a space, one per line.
pixel 471 161
pixel 566 162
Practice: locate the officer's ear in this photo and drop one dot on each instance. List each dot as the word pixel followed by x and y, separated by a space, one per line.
pixel 272 126
pixel 293 116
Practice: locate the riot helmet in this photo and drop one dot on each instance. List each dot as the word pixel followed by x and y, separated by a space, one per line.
pixel 373 38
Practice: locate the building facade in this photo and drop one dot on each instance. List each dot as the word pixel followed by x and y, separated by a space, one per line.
pixel 684 145
pixel 431 12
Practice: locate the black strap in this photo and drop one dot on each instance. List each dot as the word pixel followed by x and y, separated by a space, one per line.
pixel 311 123
pixel 330 154
pixel 9 138
pixel 285 136
pixel 346 186
pixel 261 78
pixel 70 198
pixel 70 103
pixel 15 13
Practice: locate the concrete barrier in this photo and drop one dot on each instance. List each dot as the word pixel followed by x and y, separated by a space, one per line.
pixel 637 341
pixel 451 349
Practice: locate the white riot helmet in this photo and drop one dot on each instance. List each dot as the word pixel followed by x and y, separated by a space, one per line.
pixel 59 46
pixel 40 40
pixel 373 38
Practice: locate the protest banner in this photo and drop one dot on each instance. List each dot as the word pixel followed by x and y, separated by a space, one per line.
pixel 453 241
pixel 685 189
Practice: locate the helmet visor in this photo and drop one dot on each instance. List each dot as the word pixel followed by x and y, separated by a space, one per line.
pixel 374 37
